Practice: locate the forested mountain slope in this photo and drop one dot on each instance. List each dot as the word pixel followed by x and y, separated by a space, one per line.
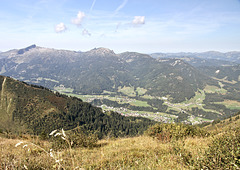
pixel 35 109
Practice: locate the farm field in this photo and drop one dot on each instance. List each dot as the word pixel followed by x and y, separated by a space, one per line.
pixel 230 104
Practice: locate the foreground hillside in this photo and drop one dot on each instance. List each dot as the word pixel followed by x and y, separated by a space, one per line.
pixel 138 152
pixel 219 150
pixel 36 110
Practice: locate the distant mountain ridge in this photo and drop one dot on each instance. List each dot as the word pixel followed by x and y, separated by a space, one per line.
pixel 232 57
pixel 101 69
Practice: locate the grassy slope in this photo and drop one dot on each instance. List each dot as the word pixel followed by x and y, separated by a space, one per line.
pixel 141 152
pixel 224 125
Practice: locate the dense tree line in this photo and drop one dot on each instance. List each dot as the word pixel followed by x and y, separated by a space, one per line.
pixel 182 116
pixel 210 98
pixel 221 108
pixel 213 97
pixel 157 103
pixel 201 113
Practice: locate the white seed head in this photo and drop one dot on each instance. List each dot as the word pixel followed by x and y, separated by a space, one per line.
pixel 54 131
pixel 19 143
pixel 57 134
pixel 63 132
pixel 51 154
pixel 25 166
pixel 25 146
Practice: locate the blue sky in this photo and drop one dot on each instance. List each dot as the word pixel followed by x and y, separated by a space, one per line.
pixel 122 25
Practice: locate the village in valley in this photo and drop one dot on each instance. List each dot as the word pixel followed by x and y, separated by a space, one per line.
pixel 157 116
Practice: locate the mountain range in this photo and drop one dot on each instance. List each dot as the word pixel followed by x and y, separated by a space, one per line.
pixel 176 77
pixel 101 69
pixel 204 57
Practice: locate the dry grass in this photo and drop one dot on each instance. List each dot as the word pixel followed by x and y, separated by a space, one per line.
pixel 18 157
pixel 224 126
pixel 141 152
pixel 126 153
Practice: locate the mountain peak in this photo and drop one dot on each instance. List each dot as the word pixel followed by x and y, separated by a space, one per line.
pixel 102 51
pixel 134 55
pixel 21 51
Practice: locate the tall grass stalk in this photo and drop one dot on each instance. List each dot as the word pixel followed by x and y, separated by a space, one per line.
pixel 68 141
pixel 50 154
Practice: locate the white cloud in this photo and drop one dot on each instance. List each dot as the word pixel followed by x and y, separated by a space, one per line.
pixel 60 28
pixel 86 32
pixel 138 20
pixel 78 20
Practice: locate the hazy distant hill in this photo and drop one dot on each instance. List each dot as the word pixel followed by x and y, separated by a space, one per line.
pixel 164 77
pixel 229 75
pixel 223 67
pixel 229 57
pixel 34 109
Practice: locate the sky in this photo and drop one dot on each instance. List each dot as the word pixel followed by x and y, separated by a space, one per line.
pixel 145 26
